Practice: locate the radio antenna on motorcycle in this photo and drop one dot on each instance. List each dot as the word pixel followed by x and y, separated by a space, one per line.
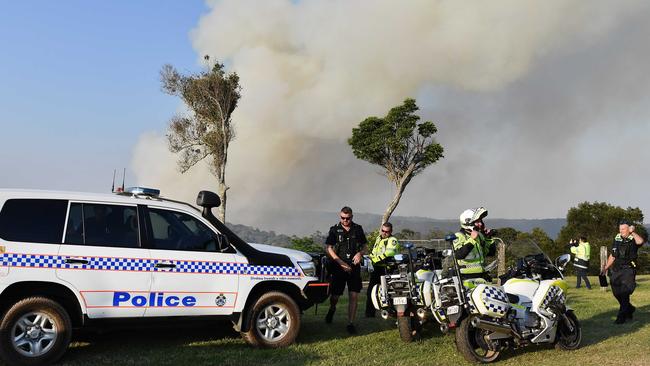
pixel 113 185
pixel 123 178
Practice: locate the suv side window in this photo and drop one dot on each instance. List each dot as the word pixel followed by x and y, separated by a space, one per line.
pixel 178 231
pixel 103 225
pixel 33 220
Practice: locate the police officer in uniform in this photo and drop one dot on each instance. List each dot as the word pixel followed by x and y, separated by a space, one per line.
pixel 346 244
pixel 622 263
pixel 581 251
pixel 473 243
pixel 385 247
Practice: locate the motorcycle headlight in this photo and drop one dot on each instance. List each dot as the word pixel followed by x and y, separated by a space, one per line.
pixel 308 268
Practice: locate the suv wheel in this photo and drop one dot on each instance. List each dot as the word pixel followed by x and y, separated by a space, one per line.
pixel 275 321
pixel 34 331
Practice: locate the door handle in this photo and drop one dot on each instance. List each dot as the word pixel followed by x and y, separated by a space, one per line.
pixel 165 265
pixel 75 261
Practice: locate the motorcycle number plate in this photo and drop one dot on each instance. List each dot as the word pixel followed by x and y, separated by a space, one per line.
pixel 453 309
pixel 399 301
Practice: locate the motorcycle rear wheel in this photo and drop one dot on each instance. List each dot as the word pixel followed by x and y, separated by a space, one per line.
pixel 470 343
pixel 408 328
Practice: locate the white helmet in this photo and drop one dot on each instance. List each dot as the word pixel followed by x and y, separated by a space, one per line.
pixel 470 216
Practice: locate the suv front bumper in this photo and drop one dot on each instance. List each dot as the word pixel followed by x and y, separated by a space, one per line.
pixel 316 292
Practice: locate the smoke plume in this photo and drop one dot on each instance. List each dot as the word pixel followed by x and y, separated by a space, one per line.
pixel 539 105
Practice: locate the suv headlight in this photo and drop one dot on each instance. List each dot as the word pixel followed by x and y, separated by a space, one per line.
pixel 308 268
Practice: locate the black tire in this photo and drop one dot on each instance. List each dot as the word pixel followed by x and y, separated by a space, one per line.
pixel 409 329
pixel 273 301
pixel 470 343
pixel 57 322
pixel 565 339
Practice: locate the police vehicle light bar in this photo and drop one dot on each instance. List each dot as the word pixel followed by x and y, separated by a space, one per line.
pixel 142 191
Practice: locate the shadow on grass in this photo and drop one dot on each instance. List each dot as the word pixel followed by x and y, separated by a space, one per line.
pixel 209 344
pixel 601 326
pixel 596 329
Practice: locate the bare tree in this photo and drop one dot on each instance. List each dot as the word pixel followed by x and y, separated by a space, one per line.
pixel 206 132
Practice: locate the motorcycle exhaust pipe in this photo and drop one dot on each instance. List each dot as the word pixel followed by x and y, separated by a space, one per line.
pixel 384 314
pixel 444 328
pixel 491 326
pixel 422 313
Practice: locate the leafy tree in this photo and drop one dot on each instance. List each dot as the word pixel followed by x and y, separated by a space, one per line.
pixel 408 234
pixel 398 143
pixel 372 237
pixel 436 234
pixel 306 244
pixel 211 96
pixel 545 243
pixel 598 222
pixel 508 234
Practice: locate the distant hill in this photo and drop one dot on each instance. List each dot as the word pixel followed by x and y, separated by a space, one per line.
pixel 304 223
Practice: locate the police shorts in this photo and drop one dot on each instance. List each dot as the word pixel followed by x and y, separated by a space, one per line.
pixel 623 281
pixel 340 279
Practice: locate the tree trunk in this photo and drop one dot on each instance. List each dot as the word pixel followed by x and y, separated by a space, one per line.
pixel 222 207
pixel 401 186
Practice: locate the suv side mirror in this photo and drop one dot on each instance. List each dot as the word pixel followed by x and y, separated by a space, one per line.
pixel 207 199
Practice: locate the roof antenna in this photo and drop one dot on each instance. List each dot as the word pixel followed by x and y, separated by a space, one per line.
pixel 123 178
pixel 113 186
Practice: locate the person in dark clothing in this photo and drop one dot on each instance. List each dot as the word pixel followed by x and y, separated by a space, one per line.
pixel 622 263
pixel 345 247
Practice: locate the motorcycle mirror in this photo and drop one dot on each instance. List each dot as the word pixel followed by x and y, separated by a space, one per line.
pixel 447 253
pixel 562 260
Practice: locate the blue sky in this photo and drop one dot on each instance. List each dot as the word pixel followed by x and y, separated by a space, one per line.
pixel 79 84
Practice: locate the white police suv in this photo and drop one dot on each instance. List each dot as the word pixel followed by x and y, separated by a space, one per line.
pixel 69 260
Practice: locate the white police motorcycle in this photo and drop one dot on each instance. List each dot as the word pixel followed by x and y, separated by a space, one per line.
pixel 529 308
pixel 400 292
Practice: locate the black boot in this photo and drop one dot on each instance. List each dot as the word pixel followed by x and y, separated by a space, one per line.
pixel 330 315
pixel 631 310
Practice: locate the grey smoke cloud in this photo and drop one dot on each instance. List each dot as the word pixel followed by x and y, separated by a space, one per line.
pixel 539 105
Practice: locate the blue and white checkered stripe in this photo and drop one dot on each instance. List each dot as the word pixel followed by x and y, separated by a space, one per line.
pixel 272 271
pixel 495 293
pixel 28 260
pixel 201 267
pixel 554 294
pixel 495 300
pixel 143 265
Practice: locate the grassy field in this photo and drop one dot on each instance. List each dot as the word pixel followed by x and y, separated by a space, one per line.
pixel 377 343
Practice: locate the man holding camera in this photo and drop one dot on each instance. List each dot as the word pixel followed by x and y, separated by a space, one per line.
pixel 623 262
pixel 473 243
pixel 581 251
pixel 345 246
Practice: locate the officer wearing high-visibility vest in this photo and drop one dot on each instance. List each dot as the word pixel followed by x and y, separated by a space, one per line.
pixel 623 263
pixel 385 247
pixel 473 244
pixel 581 251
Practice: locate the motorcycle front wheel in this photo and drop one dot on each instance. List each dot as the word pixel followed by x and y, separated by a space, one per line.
pixel 567 339
pixel 471 343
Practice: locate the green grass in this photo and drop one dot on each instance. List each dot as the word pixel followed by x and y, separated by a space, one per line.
pixel 377 343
